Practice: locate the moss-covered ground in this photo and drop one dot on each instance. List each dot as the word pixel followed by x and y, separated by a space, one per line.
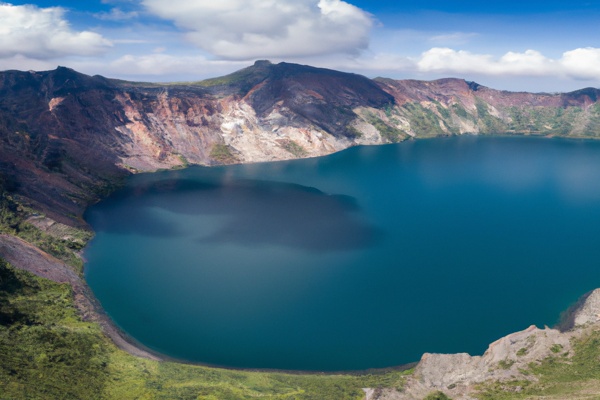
pixel 48 352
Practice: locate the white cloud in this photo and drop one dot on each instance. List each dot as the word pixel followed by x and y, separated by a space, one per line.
pixel 530 62
pixel 43 33
pixel 130 41
pixel 583 63
pixel 116 14
pixel 443 59
pixel 248 29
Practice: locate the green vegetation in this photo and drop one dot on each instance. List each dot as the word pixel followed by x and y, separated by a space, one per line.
pixel 352 132
pixel 222 154
pixel 13 221
pixel 534 120
pixel 593 125
pixel 559 376
pixel 460 111
pixel 444 112
pixel 391 134
pixel 437 396
pixel 514 389
pixel 487 122
pixel 244 79
pixel 506 364
pixel 554 120
pixel 556 348
pixel 184 161
pixel 47 352
pixel 293 148
pixel 423 121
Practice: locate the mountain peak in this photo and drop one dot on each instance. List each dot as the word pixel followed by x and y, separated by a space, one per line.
pixel 474 86
pixel 262 63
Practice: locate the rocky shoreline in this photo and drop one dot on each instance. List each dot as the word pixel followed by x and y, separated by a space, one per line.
pixel 69 139
pixel 507 359
pixel 456 375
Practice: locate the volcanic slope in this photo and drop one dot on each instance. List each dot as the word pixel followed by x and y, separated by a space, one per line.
pixel 67 139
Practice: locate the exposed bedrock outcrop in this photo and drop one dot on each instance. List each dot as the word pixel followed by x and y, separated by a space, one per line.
pixel 457 375
pixel 67 139
pixel 506 359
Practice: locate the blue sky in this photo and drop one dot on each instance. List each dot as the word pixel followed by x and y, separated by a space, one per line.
pixel 514 45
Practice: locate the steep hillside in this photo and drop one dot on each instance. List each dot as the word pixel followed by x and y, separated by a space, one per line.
pixel 454 106
pixel 67 138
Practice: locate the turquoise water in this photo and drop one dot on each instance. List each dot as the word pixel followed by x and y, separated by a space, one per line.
pixel 363 259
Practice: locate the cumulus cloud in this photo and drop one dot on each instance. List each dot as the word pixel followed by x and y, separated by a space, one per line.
pixel 583 63
pixel 578 64
pixel 43 33
pixel 248 29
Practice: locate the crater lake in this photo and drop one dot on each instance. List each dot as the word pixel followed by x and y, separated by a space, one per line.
pixel 366 258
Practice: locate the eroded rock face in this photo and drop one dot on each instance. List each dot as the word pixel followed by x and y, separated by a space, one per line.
pixel 589 313
pixel 458 374
pixel 67 139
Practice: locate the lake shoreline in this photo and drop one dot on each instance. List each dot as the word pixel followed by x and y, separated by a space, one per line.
pixel 129 344
pixel 22 255
pixel 358 359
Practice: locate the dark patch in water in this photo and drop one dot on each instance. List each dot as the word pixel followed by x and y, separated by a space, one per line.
pixel 482 237
pixel 286 214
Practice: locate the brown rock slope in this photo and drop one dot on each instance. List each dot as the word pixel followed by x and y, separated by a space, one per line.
pixel 66 139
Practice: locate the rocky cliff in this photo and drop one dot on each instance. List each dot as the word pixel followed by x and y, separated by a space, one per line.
pixel 68 138
pixel 505 366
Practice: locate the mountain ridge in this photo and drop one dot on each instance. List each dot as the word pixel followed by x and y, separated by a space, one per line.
pixel 69 138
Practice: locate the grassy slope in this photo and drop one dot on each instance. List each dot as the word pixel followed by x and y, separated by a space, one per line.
pixel 432 118
pixel 47 352
pixel 563 376
pixel 13 216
